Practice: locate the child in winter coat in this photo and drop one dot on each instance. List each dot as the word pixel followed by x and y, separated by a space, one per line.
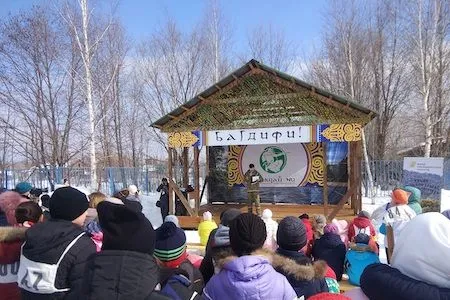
pixel 331 249
pixel 91 223
pixel 306 278
pixel 420 263
pixel 170 251
pixel 205 227
pixel 342 226
pixel 28 214
pixel 271 228
pixel 361 224
pixel 309 233
pixel 56 251
pixel 125 268
pixel 11 239
pixel 250 275
pixel 358 257
pixel 397 216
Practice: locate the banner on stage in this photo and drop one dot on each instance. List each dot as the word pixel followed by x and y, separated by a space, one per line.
pixel 259 136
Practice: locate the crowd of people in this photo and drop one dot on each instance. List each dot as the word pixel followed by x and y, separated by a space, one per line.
pixel 77 246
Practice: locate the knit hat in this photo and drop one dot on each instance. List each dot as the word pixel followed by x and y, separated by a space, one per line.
pixel 362 238
pixel 173 219
pixel 400 196
pixel 23 187
pixel 328 296
pixel 229 215
pixel 331 228
pixel 291 234
pixel 267 214
pixel 8 204
pixel 170 246
pixel 247 233
pixel 446 213
pixel 125 229
pixel 222 237
pixel 207 216
pixel 364 214
pixel 68 203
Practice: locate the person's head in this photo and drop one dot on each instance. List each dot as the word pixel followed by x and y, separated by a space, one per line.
pixel 207 216
pixel 173 219
pixel 70 204
pixel 330 228
pixel 251 166
pixel 170 247
pixel 164 181
pixel 28 213
pixel 362 238
pixel 125 229
pixel 8 204
pixel 364 214
pixel 247 234
pixel 122 194
pixel 267 214
pixel 45 200
pixel 133 190
pixel 95 198
pixel 318 223
pixel 399 197
pixel 291 234
pixel 229 215
pixel 66 182
pixel 304 216
pixel 24 188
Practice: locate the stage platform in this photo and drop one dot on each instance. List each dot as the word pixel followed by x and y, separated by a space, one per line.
pixel 279 210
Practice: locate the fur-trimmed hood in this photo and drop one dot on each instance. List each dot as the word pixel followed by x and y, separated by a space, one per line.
pixel 360 247
pixel 286 265
pixel 11 234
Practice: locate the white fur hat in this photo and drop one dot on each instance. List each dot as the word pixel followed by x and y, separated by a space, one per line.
pixel 267 214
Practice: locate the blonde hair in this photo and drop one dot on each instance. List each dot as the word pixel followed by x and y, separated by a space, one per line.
pixel 95 198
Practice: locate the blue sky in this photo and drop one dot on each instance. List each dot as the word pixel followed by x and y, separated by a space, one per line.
pixel 301 20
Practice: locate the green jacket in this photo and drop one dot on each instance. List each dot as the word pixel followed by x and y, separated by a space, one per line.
pixel 252 186
pixel 414 199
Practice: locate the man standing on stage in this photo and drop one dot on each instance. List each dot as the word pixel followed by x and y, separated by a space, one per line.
pixel 252 179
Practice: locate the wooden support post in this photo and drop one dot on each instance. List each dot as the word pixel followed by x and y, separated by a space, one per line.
pixel 171 206
pixel 181 197
pixel 341 204
pixel 185 167
pixel 197 179
pixel 325 180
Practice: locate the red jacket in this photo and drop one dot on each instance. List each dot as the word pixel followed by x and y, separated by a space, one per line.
pixel 11 239
pixel 309 236
pixel 360 225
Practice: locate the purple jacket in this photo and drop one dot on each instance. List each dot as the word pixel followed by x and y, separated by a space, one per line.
pixel 250 277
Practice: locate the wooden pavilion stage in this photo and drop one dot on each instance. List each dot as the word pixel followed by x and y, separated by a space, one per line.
pixel 279 212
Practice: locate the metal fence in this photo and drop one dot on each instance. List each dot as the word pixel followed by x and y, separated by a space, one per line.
pixel 386 174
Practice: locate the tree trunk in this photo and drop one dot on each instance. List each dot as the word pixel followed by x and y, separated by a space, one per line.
pixel 367 166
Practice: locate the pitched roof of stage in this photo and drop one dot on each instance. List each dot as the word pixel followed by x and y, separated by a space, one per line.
pixel 257 96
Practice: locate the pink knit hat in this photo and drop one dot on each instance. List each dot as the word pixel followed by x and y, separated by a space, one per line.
pixel 8 204
pixel 331 228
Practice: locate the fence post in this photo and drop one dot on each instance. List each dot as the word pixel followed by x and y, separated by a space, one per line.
pixel 111 181
pixel 147 185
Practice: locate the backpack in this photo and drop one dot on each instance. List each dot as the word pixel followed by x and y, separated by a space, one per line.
pixel 182 283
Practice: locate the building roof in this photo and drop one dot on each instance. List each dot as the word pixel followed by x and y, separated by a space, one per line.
pixel 258 96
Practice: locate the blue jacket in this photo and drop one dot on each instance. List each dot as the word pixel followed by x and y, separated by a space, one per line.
pixel 306 278
pixel 331 249
pixel 357 259
pixel 382 282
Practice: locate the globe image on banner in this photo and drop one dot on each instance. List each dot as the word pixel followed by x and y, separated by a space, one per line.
pixel 273 160
pixel 280 165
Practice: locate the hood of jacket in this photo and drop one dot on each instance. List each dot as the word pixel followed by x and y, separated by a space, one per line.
pixel 415 196
pixel 422 247
pixel 330 240
pixel 43 239
pixel 284 264
pixel 117 274
pixel 360 247
pixel 362 222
